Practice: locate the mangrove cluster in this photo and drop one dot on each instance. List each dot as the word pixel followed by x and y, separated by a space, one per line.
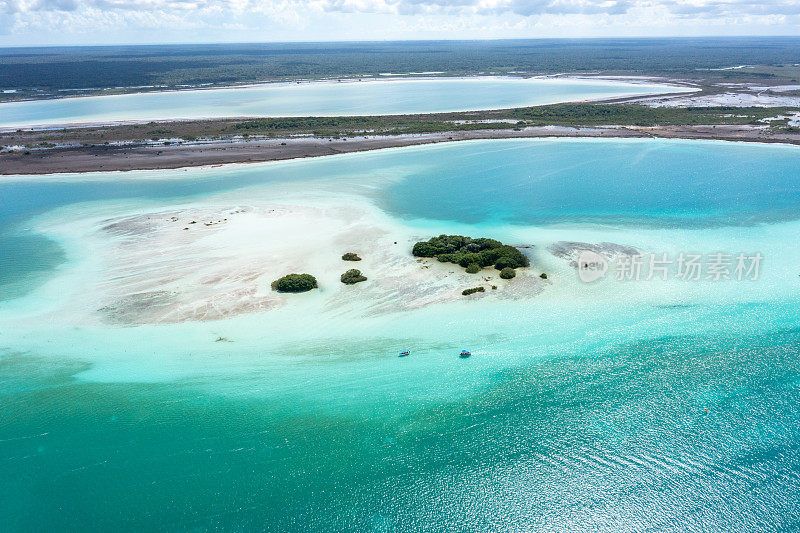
pixel 472 254
pixel 352 277
pixel 295 283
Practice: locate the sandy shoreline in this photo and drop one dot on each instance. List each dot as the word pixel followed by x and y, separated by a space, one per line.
pixel 150 157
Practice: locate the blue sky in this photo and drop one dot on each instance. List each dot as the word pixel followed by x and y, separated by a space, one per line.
pixel 48 22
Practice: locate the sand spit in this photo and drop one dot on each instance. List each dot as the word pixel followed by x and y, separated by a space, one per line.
pixel 570 250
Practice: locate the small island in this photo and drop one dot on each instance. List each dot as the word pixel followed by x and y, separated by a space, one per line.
pixel 472 254
pixel 295 283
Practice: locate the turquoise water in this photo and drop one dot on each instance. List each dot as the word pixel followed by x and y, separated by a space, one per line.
pixel 583 408
pixel 384 97
pixel 551 182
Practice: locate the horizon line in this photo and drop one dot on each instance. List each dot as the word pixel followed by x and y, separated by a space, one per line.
pixel 389 41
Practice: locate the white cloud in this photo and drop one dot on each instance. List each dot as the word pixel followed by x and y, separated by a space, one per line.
pixel 50 21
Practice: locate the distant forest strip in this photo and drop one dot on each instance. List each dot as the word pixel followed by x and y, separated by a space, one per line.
pixel 54 71
pixel 573 115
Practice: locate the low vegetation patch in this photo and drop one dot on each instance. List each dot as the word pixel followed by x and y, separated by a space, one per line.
pixel 466 251
pixel 353 276
pixel 467 292
pixel 571 115
pixel 295 283
pixel 508 273
pixel 351 256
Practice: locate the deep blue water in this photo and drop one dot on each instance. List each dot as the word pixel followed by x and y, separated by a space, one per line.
pixel 666 183
pixel 523 182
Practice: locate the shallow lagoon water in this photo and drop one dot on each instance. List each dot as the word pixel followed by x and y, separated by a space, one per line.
pixel 383 97
pixel 604 407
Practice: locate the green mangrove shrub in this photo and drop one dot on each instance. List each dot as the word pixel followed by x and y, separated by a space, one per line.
pixel 508 273
pixel 466 251
pixel 351 256
pixel 295 283
pixel 473 268
pixel 467 292
pixel 352 276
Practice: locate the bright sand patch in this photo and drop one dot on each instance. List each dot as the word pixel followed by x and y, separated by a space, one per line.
pixel 213 260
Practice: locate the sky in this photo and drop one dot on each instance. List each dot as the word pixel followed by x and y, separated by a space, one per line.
pixel 76 22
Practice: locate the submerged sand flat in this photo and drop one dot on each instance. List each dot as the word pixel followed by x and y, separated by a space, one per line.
pixel 210 261
pixel 207 261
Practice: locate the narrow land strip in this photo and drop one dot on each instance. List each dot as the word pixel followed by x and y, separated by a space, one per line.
pixel 100 158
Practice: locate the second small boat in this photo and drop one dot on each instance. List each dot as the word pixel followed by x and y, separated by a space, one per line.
pixel 465 353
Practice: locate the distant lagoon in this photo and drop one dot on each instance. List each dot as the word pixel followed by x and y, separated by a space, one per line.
pixel 328 98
